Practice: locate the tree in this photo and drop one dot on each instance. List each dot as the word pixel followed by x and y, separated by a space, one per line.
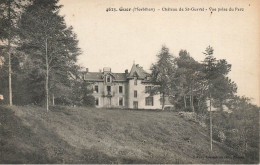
pixel 187 77
pixel 10 11
pixel 210 70
pixel 223 90
pixel 82 91
pixel 162 72
pixel 87 98
pixel 219 86
pixel 50 46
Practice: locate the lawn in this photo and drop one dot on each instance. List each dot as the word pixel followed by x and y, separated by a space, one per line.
pixel 88 135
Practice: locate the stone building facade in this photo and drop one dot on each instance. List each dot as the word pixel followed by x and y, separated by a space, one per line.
pixel 123 90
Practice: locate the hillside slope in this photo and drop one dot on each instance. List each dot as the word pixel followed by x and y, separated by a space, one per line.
pixel 87 135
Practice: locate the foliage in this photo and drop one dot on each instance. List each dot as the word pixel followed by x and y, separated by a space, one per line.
pixel 162 72
pixel 219 87
pixel 86 94
pixel 50 50
pixel 187 81
pixel 89 101
pixel 240 128
pixel 10 12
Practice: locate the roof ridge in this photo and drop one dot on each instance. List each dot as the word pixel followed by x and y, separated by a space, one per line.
pixel 109 72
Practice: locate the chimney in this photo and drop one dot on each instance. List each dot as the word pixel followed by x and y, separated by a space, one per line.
pixel 87 70
pixel 126 71
pixel 106 69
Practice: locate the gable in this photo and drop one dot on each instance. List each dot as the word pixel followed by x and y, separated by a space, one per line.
pixel 137 71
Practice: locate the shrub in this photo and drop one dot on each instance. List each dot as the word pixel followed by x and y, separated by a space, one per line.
pixel 89 101
pixel 187 109
pixel 221 136
pixel 188 115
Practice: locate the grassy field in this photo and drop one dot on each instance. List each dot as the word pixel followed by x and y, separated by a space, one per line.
pixel 87 135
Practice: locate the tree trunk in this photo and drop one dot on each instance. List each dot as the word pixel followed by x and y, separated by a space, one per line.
pixel 53 103
pixel 163 101
pixel 190 101
pixel 9 56
pixel 198 108
pixel 192 106
pixel 10 81
pixel 47 75
pixel 210 121
pixel 184 99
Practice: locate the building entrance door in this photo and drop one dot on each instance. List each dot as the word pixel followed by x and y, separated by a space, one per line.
pixel 135 104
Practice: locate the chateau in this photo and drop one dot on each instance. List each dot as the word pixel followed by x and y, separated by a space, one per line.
pixel 122 90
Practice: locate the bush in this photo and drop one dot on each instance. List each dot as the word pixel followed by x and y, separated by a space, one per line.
pixel 167 108
pixel 187 109
pixel 192 116
pixel 63 101
pixel 89 101
pixel 221 136
pixel 188 115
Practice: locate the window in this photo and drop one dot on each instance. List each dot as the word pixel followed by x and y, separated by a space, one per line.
pixel 135 81
pixel 120 89
pixel 121 101
pixel 96 88
pixel 96 101
pixel 149 101
pixel 108 89
pixel 148 89
pixel 108 79
pixel 135 94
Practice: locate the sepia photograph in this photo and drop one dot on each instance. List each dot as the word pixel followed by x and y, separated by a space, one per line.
pixel 129 82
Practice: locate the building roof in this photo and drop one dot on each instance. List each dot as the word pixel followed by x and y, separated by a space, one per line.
pixel 98 76
pixel 138 71
pixel 93 76
pixel 120 76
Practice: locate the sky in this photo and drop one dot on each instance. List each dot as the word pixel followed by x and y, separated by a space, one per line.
pixel 118 39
